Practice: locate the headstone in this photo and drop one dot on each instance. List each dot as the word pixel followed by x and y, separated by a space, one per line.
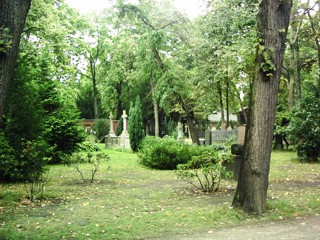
pixel 180 131
pixel 241 133
pixel 208 137
pixel 111 132
pixel 124 138
pixel 124 116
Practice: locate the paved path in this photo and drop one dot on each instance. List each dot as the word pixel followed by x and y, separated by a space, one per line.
pixel 306 228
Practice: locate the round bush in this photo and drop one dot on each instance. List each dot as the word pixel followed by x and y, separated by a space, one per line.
pixel 167 153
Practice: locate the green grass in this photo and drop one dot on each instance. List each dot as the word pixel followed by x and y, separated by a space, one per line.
pixel 133 202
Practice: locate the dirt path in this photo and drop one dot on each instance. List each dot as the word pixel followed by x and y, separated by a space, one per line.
pixel 306 228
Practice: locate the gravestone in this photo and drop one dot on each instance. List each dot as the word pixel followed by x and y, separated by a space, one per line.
pixel 111 132
pixel 111 138
pixel 124 138
pixel 241 134
pixel 180 131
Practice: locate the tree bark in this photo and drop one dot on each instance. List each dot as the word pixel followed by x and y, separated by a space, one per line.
pixel 227 100
pixel 192 122
pixel 12 17
pixel 221 102
pixel 272 24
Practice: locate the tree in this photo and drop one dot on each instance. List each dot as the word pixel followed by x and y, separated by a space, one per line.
pixel 94 52
pixel 136 128
pixel 12 21
pixel 154 24
pixel 272 24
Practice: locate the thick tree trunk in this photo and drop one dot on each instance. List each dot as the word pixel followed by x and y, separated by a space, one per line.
pixel 273 20
pixel 192 124
pixel 12 18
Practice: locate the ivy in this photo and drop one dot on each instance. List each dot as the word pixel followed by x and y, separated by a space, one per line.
pixel 267 66
pixel 5 40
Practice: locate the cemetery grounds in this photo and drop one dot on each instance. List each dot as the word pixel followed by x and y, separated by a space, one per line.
pixel 129 201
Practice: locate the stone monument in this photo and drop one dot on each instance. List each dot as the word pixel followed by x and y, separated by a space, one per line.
pixel 124 138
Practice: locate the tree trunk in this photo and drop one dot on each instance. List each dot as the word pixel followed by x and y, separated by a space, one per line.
pixel 221 102
pixel 119 104
pixel 227 100
pixel 156 118
pixel 298 83
pixel 316 36
pixel 12 18
pixel 273 20
pixel 192 122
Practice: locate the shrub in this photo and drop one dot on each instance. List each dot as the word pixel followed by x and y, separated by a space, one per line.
pixel 88 145
pixel 304 127
pixel 204 171
pixel 93 159
pixel 101 127
pixel 136 128
pixel 64 133
pixel 120 127
pixel 167 153
pixel 8 163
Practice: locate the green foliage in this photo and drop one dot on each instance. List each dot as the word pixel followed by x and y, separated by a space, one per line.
pixel 165 153
pixel 93 159
pixel 120 127
pixel 101 127
pixel 169 128
pixel 168 153
pixel 205 170
pixel 8 163
pixel 64 133
pixel 88 145
pixel 135 122
pixel 84 102
pixel 304 127
pixel 5 40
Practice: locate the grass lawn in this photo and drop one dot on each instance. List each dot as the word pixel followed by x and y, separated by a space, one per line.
pixel 132 202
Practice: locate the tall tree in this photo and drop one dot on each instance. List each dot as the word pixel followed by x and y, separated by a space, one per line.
pixel 272 24
pixel 94 52
pixel 12 21
pixel 155 24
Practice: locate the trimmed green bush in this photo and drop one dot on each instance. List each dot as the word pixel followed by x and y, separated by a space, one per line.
pixel 166 153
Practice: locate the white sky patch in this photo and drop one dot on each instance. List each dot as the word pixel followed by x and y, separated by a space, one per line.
pixel 192 8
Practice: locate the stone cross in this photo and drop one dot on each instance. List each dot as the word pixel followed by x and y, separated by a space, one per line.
pixel 124 116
